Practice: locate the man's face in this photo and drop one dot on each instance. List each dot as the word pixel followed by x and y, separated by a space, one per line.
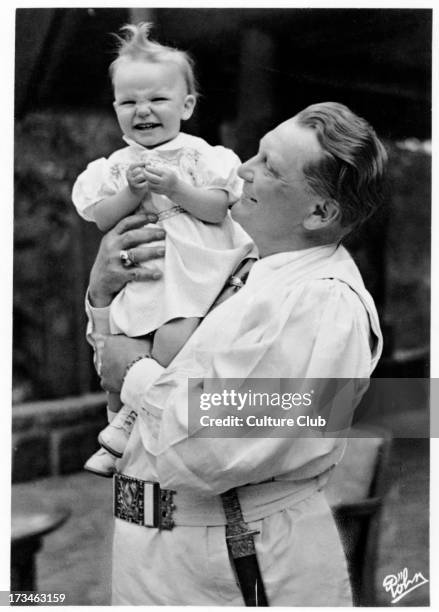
pixel 276 197
pixel 151 100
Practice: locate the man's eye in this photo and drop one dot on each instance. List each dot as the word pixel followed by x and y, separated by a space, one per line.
pixel 265 162
pixel 269 168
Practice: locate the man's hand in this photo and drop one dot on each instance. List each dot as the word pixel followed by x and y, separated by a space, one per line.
pixel 136 178
pixel 161 180
pixel 108 275
pixel 117 353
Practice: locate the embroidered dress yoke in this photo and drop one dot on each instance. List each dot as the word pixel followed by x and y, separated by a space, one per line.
pixel 199 256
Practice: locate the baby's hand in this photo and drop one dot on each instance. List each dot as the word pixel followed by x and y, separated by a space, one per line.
pixel 161 180
pixel 136 177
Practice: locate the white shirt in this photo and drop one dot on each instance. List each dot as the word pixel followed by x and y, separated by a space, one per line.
pixel 300 314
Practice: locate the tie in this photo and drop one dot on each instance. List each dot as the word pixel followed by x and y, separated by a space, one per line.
pixel 235 282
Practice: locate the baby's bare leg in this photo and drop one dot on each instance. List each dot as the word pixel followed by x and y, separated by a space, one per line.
pixel 170 338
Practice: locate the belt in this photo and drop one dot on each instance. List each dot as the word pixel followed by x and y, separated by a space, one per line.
pixel 145 503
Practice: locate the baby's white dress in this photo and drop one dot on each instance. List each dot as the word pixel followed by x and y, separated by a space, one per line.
pixel 199 256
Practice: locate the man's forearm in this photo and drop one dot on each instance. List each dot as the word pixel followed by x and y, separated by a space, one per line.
pixel 99 299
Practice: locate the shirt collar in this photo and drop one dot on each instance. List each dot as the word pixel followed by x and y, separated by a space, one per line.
pixel 303 258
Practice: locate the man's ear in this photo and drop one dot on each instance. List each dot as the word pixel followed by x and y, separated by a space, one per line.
pixel 189 105
pixel 323 215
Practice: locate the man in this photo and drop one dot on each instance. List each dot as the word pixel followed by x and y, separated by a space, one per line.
pixel 303 314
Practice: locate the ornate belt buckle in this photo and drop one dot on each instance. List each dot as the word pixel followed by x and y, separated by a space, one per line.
pixel 129 499
pixel 143 503
pixel 166 508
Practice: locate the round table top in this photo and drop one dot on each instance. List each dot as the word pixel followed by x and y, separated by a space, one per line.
pixel 27 524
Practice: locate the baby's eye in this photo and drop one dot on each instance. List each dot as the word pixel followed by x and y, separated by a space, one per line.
pixel 127 103
pixel 159 99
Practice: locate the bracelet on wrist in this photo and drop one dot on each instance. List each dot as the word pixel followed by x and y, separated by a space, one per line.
pixel 131 363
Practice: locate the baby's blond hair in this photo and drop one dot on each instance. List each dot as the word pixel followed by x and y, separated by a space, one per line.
pixel 135 45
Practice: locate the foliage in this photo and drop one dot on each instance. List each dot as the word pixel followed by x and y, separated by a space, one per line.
pixel 53 249
pixel 407 305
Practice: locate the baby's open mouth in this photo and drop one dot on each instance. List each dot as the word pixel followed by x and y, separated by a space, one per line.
pixel 146 126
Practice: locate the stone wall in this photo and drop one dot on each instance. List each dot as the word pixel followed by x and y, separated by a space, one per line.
pixel 55 437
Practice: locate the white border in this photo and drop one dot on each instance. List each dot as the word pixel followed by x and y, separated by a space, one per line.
pixel 7 20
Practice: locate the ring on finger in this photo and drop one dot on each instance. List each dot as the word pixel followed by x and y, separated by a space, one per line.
pixel 126 258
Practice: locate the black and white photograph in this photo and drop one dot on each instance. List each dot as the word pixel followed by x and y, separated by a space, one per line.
pixel 261 176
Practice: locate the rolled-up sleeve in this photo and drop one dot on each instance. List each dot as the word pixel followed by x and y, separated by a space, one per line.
pixel 139 377
pixel 98 327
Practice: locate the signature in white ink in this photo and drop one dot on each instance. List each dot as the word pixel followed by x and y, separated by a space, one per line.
pixel 400 585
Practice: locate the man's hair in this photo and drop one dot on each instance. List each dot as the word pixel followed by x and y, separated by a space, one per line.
pixel 351 168
pixel 135 45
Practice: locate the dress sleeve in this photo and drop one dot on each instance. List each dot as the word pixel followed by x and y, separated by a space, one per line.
pixel 99 180
pixel 320 331
pixel 219 170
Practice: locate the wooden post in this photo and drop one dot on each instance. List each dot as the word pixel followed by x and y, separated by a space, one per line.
pixel 256 90
pixel 28 56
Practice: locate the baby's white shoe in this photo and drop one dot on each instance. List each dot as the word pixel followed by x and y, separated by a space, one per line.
pixel 101 463
pixel 114 437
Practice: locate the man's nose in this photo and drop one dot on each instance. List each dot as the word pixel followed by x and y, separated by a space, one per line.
pixel 245 171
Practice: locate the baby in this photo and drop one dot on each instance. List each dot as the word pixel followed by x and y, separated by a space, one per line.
pixel 189 185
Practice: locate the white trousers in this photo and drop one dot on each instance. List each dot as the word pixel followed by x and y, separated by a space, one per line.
pixel 299 552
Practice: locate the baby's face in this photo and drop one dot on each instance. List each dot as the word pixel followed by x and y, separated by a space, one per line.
pixel 151 100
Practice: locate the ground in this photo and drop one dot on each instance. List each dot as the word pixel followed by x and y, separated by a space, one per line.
pixel 76 559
